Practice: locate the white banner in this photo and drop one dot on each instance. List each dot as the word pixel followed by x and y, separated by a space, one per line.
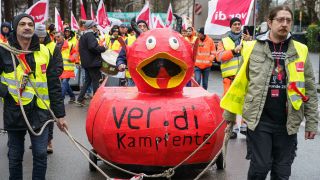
pixel 220 13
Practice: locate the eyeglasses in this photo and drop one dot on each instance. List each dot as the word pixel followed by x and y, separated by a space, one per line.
pixel 282 19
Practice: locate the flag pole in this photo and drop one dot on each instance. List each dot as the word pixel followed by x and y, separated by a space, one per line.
pixel 254 18
pixel 194 2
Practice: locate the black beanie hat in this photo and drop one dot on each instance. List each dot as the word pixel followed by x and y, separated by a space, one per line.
pixel 234 19
pixel 17 19
pixel 201 30
pixel 142 21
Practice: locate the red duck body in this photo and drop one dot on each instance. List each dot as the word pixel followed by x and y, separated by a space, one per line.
pixel 160 122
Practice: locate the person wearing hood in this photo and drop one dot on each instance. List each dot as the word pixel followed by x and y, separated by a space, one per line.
pixel 5 31
pixel 274 91
pixel 39 68
pixel 44 38
pixel 229 54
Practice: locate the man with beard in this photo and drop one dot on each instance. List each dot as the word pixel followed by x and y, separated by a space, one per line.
pixel 229 54
pixel 274 91
pixel 39 68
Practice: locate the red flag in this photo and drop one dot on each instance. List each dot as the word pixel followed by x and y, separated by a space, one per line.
pixel 145 14
pixel 82 11
pixel 57 21
pixel 220 13
pixel 169 16
pixel 158 23
pixel 74 23
pixel 93 17
pixel 102 17
pixel 39 11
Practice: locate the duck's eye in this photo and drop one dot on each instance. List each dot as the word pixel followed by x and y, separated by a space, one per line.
pixel 151 42
pixel 174 43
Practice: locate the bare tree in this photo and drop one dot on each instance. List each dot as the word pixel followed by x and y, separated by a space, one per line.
pixel 8 10
pixel 310 4
pixel 264 10
pixel 30 3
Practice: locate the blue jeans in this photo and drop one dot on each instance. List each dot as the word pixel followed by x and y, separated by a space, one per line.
pixel 66 88
pixel 16 151
pixel 204 73
pixel 131 82
pixel 82 78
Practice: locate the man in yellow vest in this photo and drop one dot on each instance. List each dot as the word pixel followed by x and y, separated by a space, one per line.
pixel 39 68
pixel 274 91
pixel 69 64
pixel 229 54
pixel 44 38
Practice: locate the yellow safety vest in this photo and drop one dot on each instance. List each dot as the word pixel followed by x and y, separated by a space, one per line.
pixel 73 40
pixel 67 64
pixel 234 99
pixel 131 39
pixel 231 67
pixel 115 45
pixel 51 45
pixel 42 58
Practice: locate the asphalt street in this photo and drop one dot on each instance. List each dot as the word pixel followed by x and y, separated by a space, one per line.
pixel 67 163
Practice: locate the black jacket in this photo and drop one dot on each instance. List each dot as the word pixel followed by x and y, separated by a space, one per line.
pixel 90 51
pixel 12 115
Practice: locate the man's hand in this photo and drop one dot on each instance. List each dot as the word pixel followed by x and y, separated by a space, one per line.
pixel 309 135
pixel 238 49
pixel 246 37
pixel 122 67
pixel 62 124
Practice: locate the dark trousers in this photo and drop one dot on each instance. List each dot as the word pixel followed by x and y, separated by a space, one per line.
pixel 16 151
pixel 270 148
pixel 50 131
pixel 92 76
pixel 202 74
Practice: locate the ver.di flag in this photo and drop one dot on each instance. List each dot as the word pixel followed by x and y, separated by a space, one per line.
pixel 74 23
pixel 102 16
pixel 93 17
pixel 39 11
pixel 220 13
pixel 169 16
pixel 82 11
pixel 145 14
pixel 57 21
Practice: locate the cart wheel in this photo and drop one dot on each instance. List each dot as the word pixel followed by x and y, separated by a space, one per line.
pixel 220 164
pixel 94 159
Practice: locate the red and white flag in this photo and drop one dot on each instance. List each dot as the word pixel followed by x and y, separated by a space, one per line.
pixel 39 11
pixel 157 22
pixel 102 16
pixel 169 16
pixel 57 21
pixel 145 14
pixel 93 17
pixel 82 11
pixel 74 23
pixel 220 13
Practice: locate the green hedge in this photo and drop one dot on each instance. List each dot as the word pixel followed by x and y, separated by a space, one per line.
pixel 312 36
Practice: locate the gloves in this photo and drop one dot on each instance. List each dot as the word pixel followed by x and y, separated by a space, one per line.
pixel 135 26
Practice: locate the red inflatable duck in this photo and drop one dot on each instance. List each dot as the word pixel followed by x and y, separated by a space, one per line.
pixel 160 122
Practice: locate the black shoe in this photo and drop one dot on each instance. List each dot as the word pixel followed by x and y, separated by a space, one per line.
pixel 80 103
pixel 72 100
pixel 233 135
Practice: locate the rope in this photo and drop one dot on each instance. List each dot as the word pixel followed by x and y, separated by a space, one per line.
pixel 167 173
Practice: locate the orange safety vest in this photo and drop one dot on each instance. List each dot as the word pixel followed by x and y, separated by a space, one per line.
pixel 206 53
